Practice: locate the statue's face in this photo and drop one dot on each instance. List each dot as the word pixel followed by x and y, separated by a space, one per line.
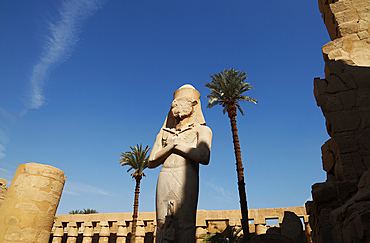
pixel 182 108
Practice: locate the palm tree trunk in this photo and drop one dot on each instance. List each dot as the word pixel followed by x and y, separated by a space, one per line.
pixel 240 172
pixel 136 207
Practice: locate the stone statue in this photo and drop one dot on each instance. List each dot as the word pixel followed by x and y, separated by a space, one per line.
pixel 181 145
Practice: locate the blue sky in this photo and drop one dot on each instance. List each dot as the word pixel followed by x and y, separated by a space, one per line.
pixel 81 81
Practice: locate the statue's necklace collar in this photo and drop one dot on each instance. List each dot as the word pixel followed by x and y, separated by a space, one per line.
pixel 173 130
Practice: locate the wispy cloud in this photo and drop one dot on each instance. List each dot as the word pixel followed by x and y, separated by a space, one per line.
pixel 6 119
pixel 4 170
pixel 2 151
pixel 221 193
pixel 77 188
pixel 62 37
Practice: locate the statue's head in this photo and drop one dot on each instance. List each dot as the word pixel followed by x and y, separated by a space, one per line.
pixel 186 103
pixel 183 107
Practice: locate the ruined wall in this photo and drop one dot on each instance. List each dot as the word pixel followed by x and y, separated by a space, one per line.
pixel 27 213
pixel 340 211
pixel 115 227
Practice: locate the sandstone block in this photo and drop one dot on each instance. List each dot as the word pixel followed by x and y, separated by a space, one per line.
pixel 328 161
pixel 338 7
pixel 323 192
pixel 57 187
pixel 339 54
pixel 348 15
pixel 72 229
pixel 320 86
pixel 28 207
pixel 335 67
pixel 333 103
pixel 59 232
pixel 13 234
pixel 25 180
pixel 42 182
pixel 292 227
pixel 51 212
pixel 348 167
pixel 44 236
pixel 29 235
pixel 347 78
pixel 363 27
pixel 346 142
pixel 348 99
pixel 343 121
pixel 42 196
pixel 45 170
pixel 104 230
pixel 349 40
pixel 44 223
pixel 335 84
pixel 26 193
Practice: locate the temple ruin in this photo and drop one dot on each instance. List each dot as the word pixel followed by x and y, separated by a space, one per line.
pixel 116 227
pixel 28 210
pixel 340 211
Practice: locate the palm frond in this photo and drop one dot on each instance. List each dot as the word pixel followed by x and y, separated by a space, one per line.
pixel 240 109
pixel 227 88
pixel 137 159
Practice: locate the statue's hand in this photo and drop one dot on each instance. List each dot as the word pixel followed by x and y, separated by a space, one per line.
pixel 175 142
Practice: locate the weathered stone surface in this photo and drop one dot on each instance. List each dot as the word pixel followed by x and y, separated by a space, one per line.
pixel 45 170
pixel 343 97
pixel 3 190
pixel 292 227
pixel 43 236
pixel 28 207
pixel 28 211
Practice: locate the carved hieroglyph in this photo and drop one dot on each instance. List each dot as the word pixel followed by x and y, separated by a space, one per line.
pixel 181 145
pixel 28 211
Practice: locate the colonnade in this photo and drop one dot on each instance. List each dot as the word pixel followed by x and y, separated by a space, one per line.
pixel 116 227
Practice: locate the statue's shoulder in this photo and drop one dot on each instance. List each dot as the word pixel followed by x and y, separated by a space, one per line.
pixel 202 128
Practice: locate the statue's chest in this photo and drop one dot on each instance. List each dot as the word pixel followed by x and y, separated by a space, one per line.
pixel 187 137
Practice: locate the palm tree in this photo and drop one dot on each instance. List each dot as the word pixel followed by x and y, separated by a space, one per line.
pixel 228 235
pixel 84 211
pixel 227 90
pixel 137 159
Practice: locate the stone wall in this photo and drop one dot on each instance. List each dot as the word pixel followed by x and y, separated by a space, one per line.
pixel 115 227
pixel 27 213
pixel 340 211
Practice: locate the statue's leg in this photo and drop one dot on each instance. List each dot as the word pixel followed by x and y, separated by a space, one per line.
pixel 186 231
pixel 160 231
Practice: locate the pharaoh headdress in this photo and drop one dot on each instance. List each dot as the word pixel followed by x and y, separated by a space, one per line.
pixel 197 117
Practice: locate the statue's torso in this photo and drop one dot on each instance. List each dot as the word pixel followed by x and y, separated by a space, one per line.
pixel 186 136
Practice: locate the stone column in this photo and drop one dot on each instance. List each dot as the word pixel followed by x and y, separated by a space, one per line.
pixel 140 232
pixel 58 233
pixel 104 232
pixel 121 232
pixel 88 232
pixel 3 190
pixel 200 234
pixel 72 232
pixel 260 229
pixel 27 213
